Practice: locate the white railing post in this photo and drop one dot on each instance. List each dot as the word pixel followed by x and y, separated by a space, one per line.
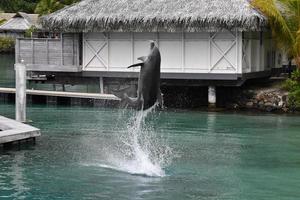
pixel 20 69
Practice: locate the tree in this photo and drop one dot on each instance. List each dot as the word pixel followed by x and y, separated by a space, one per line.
pixel 69 2
pixel 284 20
pixel 13 6
pixel 45 7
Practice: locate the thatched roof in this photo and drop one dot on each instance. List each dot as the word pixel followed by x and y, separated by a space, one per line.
pixel 155 15
pixel 19 22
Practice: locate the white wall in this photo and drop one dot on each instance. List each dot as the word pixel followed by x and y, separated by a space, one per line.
pixel 181 52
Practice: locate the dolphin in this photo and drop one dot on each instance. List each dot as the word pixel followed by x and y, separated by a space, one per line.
pixel 148 92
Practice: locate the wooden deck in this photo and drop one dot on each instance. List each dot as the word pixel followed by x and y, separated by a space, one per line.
pixel 53 55
pixel 12 131
pixel 64 94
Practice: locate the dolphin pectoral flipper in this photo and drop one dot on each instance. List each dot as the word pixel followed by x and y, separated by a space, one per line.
pixel 136 65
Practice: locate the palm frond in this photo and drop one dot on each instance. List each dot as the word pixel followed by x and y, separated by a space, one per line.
pixel 281 30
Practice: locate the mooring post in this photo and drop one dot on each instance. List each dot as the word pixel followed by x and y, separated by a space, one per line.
pixel 20 69
pixel 212 99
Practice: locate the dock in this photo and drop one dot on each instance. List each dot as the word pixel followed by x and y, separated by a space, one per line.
pixel 63 94
pixel 14 131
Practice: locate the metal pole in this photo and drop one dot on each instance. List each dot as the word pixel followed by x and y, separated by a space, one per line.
pixel 20 92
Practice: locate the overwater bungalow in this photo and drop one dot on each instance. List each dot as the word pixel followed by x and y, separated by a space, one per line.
pixel 202 42
pixel 17 24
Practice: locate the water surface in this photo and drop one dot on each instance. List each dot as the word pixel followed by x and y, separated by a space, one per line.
pixel 215 156
pixel 7 74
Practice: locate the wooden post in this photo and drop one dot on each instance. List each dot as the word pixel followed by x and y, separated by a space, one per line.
pixel 20 92
pixel 62 49
pixel 183 51
pixel 78 52
pixel 17 49
pixel 32 51
pixel 47 50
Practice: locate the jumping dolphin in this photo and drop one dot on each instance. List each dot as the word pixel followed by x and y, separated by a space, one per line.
pixel 148 92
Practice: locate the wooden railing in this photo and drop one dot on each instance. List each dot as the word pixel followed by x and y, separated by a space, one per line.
pixel 44 54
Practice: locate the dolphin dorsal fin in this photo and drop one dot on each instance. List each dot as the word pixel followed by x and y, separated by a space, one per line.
pixel 143 58
pixel 136 65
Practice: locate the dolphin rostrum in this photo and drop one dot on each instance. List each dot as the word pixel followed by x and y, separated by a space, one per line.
pixel 148 92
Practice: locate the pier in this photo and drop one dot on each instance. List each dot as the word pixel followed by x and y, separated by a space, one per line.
pixel 14 131
pixel 63 94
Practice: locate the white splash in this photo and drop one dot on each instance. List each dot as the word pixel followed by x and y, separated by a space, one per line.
pixel 139 149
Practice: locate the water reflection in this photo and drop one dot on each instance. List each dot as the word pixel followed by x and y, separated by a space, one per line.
pixel 211 122
pixel 12 179
pixel 223 156
pixel 7 73
pixel 18 179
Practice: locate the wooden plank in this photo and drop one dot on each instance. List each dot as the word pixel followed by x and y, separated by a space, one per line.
pixel 73 50
pixel 209 52
pixel 183 51
pixel 15 131
pixel 62 48
pixel 53 67
pixel 77 52
pixel 47 51
pixel 17 47
pixel 108 51
pixel 63 94
pixel 32 51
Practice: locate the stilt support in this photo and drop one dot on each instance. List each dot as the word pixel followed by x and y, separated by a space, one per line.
pixel 212 99
pixel 101 85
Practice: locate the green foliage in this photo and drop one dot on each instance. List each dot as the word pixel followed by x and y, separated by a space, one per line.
pixel 45 7
pixel 284 18
pixel 31 6
pixel 69 2
pixel 12 6
pixel 292 85
pixel 28 32
pixel 7 44
pixel 2 21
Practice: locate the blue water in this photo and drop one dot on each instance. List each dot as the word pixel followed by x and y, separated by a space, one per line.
pixel 214 156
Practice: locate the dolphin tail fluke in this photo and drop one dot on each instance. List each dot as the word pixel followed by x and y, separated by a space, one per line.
pixel 132 101
pixel 136 65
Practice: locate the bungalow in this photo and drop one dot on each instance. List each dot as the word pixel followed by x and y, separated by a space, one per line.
pixel 5 17
pixel 17 23
pixel 205 42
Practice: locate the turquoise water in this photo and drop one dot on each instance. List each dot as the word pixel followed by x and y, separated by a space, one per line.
pixel 214 156
pixel 7 74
